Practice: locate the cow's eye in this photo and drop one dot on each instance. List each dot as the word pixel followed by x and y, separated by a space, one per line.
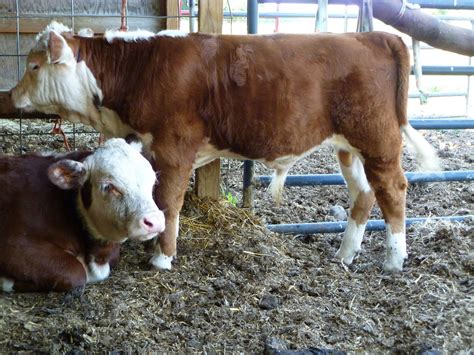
pixel 110 189
pixel 35 67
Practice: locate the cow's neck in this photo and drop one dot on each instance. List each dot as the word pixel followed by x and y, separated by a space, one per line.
pixel 115 66
pixel 90 230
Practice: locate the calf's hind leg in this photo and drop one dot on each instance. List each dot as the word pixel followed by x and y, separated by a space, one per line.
pixel 43 267
pixel 389 183
pixel 361 199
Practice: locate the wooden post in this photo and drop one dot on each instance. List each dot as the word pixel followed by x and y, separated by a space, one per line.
pixel 207 178
pixel 211 15
pixel 172 10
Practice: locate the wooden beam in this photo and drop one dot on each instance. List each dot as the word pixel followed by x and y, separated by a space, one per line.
pixel 207 182
pixel 33 26
pixel 172 11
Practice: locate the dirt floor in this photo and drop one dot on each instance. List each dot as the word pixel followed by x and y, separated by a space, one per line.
pixel 238 288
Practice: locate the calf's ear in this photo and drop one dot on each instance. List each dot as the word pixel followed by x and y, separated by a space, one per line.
pixel 59 51
pixel 134 142
pixel 67 174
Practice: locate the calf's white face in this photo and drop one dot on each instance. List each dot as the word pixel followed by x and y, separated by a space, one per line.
pixel 115 196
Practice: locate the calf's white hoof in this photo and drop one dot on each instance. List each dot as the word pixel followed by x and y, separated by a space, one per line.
pixel 7 284
pixel 161 261
pixel 347 257
pixel 394 265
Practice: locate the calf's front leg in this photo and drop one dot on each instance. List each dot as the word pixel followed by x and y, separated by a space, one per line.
pixel 169 196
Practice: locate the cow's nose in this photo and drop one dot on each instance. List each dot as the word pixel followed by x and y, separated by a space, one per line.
pixel 154 222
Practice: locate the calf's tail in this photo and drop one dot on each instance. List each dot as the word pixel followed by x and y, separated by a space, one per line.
pixel 426 155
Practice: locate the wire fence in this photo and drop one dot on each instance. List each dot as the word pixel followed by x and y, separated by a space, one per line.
pixel 21 20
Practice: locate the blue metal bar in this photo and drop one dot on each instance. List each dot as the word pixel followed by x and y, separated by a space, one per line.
pixel 252 17
pixel 447 70
pixel 440 176
pixel 445 4
pixel 442 123
pixel 274 14
pixel 339 227
pixel 305 180
pixel 415 95
pixel 249 165
pixel 337 179
pixel 434 4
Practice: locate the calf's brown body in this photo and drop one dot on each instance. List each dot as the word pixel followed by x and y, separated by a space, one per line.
pixel 42 233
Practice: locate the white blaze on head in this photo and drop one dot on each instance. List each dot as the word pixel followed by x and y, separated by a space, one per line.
pixel 54 82
pixel 396 250
pixel 115 195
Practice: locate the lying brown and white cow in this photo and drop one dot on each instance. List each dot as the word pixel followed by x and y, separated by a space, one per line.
pixel 269 98
pixel 63 217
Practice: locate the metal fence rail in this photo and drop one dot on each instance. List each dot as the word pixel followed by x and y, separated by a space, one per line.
pixel 429 4
pixel 337 179
pixel 339 227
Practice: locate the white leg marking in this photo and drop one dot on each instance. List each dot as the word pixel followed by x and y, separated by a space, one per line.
pixel 351 241
pixel 160 260
pixel 396 250
pixel 356 179
pixel 97 272
pixel 7 284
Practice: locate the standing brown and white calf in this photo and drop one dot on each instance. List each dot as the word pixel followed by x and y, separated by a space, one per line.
pixel 275 98
pixel 63 217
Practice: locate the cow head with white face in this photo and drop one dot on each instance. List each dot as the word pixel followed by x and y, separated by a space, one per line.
pixel 55 81
pixel 115 191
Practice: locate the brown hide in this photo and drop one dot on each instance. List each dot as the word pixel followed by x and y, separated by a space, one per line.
pixel 261 97
pixel 41 232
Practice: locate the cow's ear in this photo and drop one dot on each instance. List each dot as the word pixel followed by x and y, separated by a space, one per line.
pixel 67 174
pixel 59 51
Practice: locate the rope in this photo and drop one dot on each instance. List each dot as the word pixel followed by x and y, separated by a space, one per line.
pixel 401 13
pixel 123 19
pixel 403 9
pixel 58 130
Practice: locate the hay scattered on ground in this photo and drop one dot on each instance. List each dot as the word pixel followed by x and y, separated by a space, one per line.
pixel 237 286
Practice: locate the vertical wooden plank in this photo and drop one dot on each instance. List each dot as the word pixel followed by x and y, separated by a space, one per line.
pixel 211 14
pixel 172 10
pixel 207 178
